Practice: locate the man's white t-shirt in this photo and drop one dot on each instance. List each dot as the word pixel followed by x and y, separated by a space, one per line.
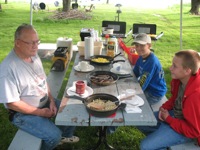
pixel 24 81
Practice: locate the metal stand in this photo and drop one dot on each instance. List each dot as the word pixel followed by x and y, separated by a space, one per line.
pixel 118 11
pixel 102 139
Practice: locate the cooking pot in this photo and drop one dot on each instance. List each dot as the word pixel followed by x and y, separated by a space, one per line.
pixel 108 58
pixel 110 77
pixel 103 97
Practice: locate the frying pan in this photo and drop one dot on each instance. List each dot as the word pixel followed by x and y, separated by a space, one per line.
pixel 110 74
pixel 104 97
pixel 110 59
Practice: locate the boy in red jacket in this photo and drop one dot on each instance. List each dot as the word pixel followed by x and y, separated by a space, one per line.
pixel 178 118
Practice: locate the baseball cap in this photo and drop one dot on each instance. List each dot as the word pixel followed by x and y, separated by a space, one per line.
pixel 142 38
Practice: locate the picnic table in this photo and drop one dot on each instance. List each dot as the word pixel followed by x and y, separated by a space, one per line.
pixel 73 112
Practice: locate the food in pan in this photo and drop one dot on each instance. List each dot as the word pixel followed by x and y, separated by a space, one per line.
pixel 103 105
pixel 102 79
pixel 100 60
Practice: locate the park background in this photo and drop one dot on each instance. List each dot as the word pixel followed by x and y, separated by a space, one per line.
pixel 165 14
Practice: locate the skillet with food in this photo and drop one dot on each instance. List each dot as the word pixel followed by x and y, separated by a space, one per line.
pixel 101 104
pixel 104 60
pixel 104 78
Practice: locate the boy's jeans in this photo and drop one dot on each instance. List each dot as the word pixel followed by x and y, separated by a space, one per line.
pixel 161 136
pixel 43 128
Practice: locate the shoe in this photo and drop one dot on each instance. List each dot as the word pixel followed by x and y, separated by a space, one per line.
pixel 72 139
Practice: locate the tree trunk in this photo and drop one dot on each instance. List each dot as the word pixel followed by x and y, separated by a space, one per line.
pixel 107 2
pixel 0 8
pixel 6 1
pixel 66 5
pixel 195 5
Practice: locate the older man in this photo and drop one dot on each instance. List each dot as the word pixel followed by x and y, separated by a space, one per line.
pixel 25 93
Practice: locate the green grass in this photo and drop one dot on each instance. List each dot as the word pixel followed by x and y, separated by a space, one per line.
pixel 167 21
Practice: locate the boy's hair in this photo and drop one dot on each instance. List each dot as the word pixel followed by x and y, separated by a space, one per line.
pixel 191 59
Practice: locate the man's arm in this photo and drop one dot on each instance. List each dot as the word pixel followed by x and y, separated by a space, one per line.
pixel 24 108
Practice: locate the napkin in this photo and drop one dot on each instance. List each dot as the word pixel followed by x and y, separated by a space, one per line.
pixel 131 106
pixel 132 109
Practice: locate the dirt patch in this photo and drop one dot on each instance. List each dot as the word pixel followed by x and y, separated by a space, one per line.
pixel 72 14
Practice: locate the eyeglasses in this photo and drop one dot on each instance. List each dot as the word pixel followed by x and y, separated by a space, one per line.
pixel 31 43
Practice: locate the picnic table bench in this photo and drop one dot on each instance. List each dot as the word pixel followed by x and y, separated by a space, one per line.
pixel 26 141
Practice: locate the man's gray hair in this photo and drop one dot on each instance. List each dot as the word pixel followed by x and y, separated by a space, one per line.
pixel 22 27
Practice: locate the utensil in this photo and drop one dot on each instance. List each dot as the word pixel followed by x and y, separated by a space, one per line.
pixel 108 58
pixel 104 97
pixel 112 76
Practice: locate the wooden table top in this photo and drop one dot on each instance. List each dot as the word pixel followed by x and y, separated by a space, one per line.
pixel 72 112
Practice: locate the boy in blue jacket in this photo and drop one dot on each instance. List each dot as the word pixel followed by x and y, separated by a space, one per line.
pixel 148 70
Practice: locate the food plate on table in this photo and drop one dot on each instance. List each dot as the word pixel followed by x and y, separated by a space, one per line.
pixel 78 68
pixel 72 91
pixel 121 72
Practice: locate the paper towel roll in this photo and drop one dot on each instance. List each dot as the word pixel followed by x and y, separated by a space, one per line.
pixel 89 47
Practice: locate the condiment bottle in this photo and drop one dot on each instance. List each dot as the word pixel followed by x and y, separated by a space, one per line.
pixel 111 47
pixel 106 39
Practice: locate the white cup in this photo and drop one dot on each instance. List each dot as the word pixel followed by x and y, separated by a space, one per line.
pixel 83 65
pixel 117 67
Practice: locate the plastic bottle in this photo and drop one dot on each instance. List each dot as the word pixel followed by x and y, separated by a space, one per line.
pixel 106 39
pixel 111 47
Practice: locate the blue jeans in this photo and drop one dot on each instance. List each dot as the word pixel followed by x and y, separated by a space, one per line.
pixel 160 137
pixel 152 99
pixel 43 128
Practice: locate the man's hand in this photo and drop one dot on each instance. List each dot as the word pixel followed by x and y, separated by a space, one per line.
pixel 53 108
pixel 46 112
pixel 163 114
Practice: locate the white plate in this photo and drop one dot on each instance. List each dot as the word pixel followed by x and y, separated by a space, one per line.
pixel 121 72
pixel 90 68
pixel 136 100
pixel 72 91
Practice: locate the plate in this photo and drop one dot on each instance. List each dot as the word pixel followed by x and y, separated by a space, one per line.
pixel 72 91
pixel 121 72
pixel 90 68
pixel 136 100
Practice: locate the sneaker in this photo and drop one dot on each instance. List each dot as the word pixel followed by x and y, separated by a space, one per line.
pixel 72 139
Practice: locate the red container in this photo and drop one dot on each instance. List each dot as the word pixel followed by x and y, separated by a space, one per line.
pixel 132 55
pixel 80 87
pixel 130 50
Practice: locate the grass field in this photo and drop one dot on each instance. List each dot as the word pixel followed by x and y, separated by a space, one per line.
pixel 167 21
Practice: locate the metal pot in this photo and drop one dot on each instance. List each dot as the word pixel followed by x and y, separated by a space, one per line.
pixel 113 78
pixel 104 97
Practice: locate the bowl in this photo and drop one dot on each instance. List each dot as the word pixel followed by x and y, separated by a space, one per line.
pixel 97 48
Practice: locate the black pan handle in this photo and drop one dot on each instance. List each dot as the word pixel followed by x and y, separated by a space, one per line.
pixel 76 97
pixel 117 55
pixel 122 106
pixel 115 61
pixel 125 76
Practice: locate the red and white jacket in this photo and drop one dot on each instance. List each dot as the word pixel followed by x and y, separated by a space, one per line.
pixel 190 125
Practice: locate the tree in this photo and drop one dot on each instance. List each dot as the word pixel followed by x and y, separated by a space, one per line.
pixel 195 5
pixel 66 5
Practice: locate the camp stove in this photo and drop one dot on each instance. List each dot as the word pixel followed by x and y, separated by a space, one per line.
pixel 60 59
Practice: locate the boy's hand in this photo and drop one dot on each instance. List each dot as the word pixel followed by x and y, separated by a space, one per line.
pixel 163 114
